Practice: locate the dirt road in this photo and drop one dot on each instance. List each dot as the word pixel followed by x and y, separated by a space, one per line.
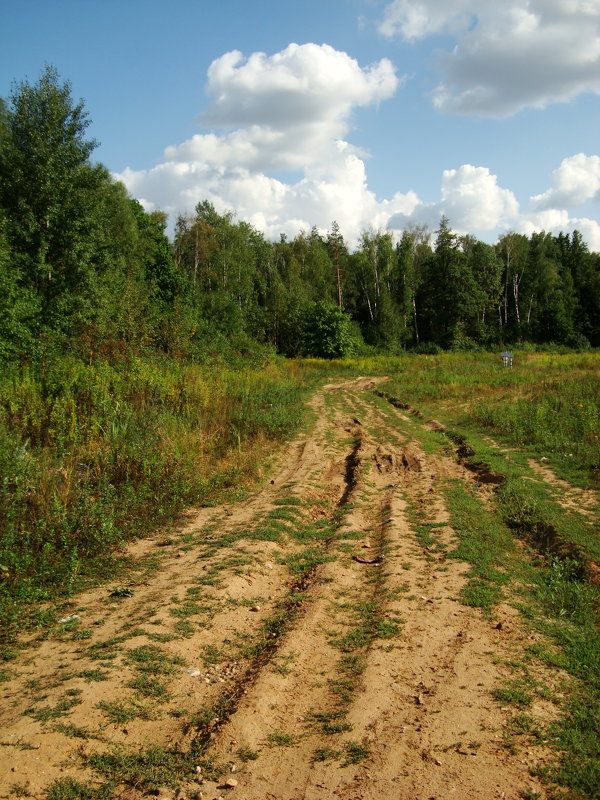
pixel 307 643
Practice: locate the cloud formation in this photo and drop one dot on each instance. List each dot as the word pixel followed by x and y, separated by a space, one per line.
pixel 557 221
pixel 575 181
pixel 470 198
pixel 474 203
pixel 508 55
pixel 289 113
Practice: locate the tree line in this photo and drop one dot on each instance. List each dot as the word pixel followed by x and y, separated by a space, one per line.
pixel 84 267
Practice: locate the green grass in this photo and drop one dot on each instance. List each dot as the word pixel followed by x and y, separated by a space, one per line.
pixel 354 753
pixel 325 754
pixel 94 455
pixel 119 713
pixel 64 706
pixel 329 722
pixel 106 452
pixel 485 542
pixel 71 789
pixel 151 768
pixel 75 731
pixel 149 686
pixel 281 739
pixel 303 562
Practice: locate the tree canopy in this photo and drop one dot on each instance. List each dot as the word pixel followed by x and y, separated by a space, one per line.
pixel 84 266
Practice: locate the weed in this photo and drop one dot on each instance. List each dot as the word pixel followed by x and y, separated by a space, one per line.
pixel 71 789
pixel 513 692
pixel 83 634
pixel 163 637
pixel 106 451
pixel 325 754
pixel 148 686
pixel 351 664
pixel 64 706
pixel 149 769
pixel 74 731
pixel 121 713
pixel 286 514
pixel 305 561
pixel 355 752
pixel 329 721
pixel 187 609
pixel 152 660
pixel 212 654
pixel 387 628
pixel 93 675
pixel 184 628
pixel 281 739
pixel 107 649
pixel 246 753
pixel 484 542
pixel 343 687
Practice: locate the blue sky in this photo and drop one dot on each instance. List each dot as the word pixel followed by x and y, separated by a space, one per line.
pixel 385 113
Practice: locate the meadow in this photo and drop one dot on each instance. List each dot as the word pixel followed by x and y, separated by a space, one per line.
pixel 96 454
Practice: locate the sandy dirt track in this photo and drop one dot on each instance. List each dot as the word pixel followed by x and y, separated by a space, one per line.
pixel 308 638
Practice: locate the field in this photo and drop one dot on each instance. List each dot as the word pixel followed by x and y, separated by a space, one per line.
pixel 361 579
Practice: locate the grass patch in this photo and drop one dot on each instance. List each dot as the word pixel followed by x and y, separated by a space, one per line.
pixel 281 739
pixel 354 753
pixel 71 789
pixel 62 707
pixel 329 722
pixel 74 731
pixel 246 753
pixel 325 754
pixel 484 542
pixel 120 713
pixel 152 660
pixel 148 686
pixel 303 562
pixel 152 768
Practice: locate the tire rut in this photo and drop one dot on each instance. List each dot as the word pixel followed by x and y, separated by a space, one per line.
pixel 309 638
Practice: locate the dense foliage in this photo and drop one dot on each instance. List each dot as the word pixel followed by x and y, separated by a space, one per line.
pixel 83 267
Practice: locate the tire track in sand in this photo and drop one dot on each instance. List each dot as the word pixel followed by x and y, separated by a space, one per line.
pixel 359 676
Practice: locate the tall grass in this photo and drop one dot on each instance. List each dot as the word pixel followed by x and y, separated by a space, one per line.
pixel 549 404
pixel 93 455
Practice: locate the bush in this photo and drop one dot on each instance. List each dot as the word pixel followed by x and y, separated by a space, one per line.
pixel 328 332
pixel 579 342
pixel 427 349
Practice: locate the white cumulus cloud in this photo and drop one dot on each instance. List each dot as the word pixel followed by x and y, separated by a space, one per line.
pixel 290 112
pixel 268 114
pixel 471 199
pixel 576 181
pixel 508 55
pixel 557 221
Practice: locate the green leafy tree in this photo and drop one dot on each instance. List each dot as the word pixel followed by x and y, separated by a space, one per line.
pixel 412 253
pixel 513 250
pixel 338 253
pixel 486 269
pixel 46 189
pixel 328 332
pixel 450 297
pixel 18 307
pixel 584 270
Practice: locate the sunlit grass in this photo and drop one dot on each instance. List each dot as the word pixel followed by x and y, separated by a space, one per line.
pixel 93 455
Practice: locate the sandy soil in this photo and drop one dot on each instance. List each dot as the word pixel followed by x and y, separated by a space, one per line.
pixel 363 677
